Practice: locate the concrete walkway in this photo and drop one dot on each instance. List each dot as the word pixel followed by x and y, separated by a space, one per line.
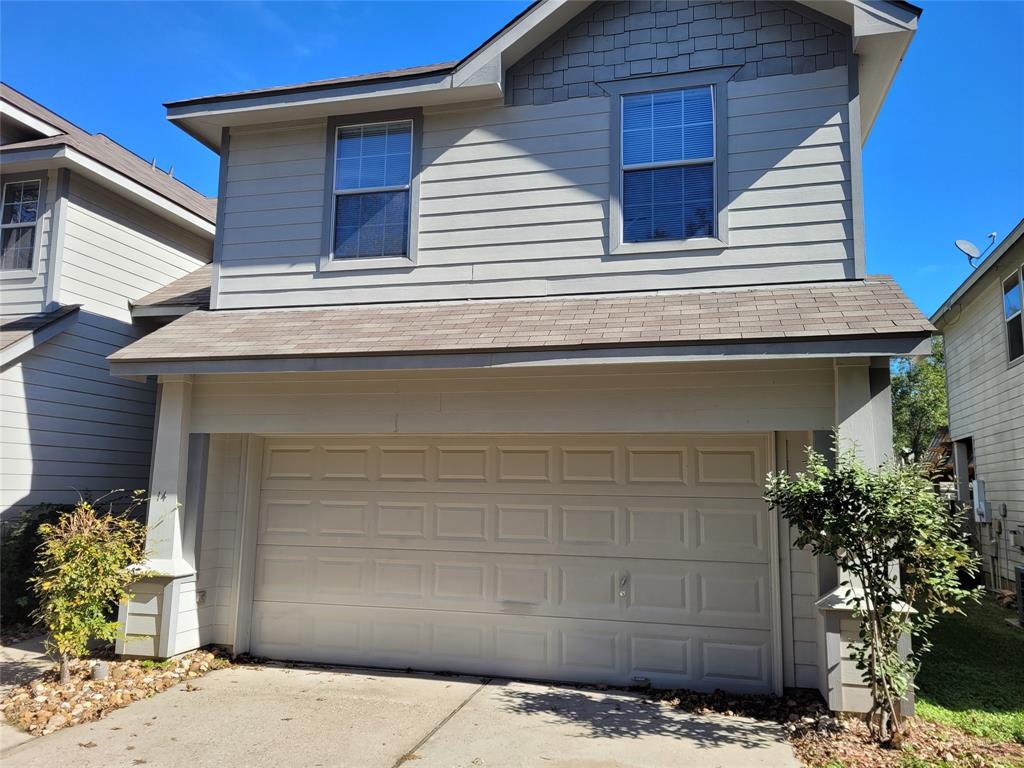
pixel 318 717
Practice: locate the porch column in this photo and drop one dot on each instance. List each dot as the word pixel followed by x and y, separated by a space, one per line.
pixel 863 408
pixel 165 540
pixel 863 420
pixel 151 621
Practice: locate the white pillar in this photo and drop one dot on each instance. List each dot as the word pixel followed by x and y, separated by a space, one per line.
pixel 863 414
pixel 168 481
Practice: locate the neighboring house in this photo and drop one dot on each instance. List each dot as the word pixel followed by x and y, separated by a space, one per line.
pixel 499 352
pixel 983 328
pixel 88 228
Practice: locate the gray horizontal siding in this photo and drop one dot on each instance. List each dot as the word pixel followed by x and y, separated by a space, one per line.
pixel 986 403
pixel 514 202
pixel 68 427
pixel 116 252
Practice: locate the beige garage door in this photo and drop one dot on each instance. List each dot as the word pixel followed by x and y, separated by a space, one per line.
pixel 601 558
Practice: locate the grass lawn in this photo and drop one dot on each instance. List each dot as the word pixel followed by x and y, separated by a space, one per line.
pixel 973 678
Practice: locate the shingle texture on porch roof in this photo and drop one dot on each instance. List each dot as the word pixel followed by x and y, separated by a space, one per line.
pixel 874 307
pixel 191 290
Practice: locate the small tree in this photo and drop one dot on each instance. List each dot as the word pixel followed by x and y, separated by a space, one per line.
pixel 867 521
pixel 919 405
pixel 82 574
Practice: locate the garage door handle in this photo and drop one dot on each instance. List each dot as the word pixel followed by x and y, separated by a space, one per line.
pixel 622 584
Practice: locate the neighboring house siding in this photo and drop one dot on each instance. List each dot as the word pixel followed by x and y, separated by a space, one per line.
pixel 27 295
pixel 986 404
pixel 116 252
pixel 621 40
pixel 514 202
pixel 68 426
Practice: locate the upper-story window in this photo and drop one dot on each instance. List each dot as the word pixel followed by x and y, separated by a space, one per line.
pixel 18 227
pixel 1013 300
pixel 372 173
pixel 668 165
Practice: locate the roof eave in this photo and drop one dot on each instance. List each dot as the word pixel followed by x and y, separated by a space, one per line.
pixel 892 345
pixel 65 155
pixel 63 318
pixel 204 121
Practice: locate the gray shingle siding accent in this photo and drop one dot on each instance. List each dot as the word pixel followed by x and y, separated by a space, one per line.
pixel 628 39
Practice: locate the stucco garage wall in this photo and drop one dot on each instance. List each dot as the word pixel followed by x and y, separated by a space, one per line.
pixel 797 396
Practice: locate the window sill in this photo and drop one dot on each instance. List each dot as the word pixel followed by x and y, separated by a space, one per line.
pixel 18 274
pixel 670 246
pixel 330 264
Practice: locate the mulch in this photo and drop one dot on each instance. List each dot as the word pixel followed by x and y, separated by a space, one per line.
pixel 44 705
pixel 931 744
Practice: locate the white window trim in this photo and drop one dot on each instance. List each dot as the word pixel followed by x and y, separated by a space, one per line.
pixel 1018 316
pixel 32 272
pixel 328 263
pixel 618 89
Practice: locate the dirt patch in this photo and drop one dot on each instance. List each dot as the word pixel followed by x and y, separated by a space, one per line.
pixel 44 705
pixel 926 744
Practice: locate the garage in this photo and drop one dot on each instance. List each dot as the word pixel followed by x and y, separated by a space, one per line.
pixel 603 558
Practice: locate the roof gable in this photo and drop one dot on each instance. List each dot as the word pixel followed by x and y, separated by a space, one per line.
pixel 881 32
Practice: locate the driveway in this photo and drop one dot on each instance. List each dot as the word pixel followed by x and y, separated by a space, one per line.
pixel 276 716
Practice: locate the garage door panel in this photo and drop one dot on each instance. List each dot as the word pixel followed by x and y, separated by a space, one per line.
pixel 596 558
pixel 662 591
pixel 710 529
pixel 678 465
pixel 515 646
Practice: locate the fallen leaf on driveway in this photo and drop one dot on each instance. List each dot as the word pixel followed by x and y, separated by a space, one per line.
pixel 87 744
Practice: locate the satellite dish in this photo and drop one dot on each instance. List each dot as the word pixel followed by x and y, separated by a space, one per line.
pixel 969 248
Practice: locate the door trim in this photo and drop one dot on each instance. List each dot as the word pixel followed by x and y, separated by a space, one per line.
pixel 245 541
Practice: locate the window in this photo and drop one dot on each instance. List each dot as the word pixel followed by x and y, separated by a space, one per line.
pixel 668 165
pixel 1013 299
pixel 372 175
pixel 18 227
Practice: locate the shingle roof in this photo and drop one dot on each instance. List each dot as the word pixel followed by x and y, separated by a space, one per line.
pixel 14 329
pixel 111 154
pixel 192 290
pixel 875 307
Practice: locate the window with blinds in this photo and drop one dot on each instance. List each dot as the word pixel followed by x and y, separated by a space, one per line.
pixel 373 169
pixel 668 165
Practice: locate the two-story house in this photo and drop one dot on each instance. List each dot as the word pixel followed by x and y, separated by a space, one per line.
pixel 88 227
pixel 983 328
pixel 498 352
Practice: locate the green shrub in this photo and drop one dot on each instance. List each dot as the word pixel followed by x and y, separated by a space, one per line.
pixel 19 541
pixel 866 520
pixel 83 572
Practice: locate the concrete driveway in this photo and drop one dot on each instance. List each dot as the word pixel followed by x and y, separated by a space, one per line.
pixel 279 716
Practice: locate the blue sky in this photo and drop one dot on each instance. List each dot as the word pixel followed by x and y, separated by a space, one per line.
pixel 945 159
